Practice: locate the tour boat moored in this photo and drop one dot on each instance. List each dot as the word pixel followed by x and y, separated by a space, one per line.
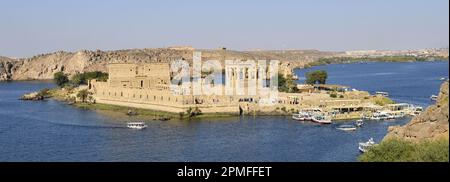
pixel 321 119
pixel 380 116
pixel 302 116
pixel 416 110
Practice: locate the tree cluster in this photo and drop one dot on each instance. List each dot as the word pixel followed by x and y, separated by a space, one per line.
pixel 316 77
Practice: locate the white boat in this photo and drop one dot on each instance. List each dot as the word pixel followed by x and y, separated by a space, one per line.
pixel 390 117
pixel 385 94
pixel 302 116
pixel 398 115
pixel 365 146
pixel 321 119
pixel 434 97
pixel 359 123
pixel 136 125
pixel 346 127
pixel 298 117
pixel 416 111
pixel 380 116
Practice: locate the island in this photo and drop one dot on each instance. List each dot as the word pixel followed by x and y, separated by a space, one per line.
pixel 145 89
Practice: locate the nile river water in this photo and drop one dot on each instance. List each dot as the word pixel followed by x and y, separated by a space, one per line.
pixel 53 131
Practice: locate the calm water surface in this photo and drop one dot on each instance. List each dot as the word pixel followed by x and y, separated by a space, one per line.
pixel 53 131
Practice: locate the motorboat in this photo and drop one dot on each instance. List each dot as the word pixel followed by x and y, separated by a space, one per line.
pixel 136 125
pixel 302 116
pixel 416 111
pixel 390 117
pixel 346 127
pixel 398 115
pixel 434 97
pixel 380 116
pixel 297 117
pixel 359 123
pixel 321 119
pixel 385 94
pixel 365 146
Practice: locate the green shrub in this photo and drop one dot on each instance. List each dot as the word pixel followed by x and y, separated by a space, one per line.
pixel 44 93
pixel 319 76
pixel 83 78
pixel 192 112
pixel 382 101
pixel 396 150
pixel 60 79
pixel 83 95
pixel 181 114
pixel 287 84
pixel 436 151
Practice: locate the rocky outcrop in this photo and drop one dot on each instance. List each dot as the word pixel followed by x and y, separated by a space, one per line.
pixel 433 123
pixel 35 96
pixel 6 68
pixel 43 66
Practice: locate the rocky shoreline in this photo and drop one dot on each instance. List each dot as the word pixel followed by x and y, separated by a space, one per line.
pixel 34 96
pixel 431 124
pixel 68 96
pixel 424 139
pixel 37 96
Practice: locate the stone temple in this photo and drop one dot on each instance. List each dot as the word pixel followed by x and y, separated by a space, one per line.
pixel 149 86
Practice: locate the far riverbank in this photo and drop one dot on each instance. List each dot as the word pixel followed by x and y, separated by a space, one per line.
pixel 383 59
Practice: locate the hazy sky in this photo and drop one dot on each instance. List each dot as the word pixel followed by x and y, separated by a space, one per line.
pixel 29 27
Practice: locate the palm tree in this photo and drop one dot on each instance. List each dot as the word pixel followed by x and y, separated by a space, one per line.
pixel 83 94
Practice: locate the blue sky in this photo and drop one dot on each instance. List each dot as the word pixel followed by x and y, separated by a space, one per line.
pixel 29 27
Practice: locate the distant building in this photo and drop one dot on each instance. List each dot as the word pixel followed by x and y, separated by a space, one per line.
pixel 361 53
pixel 182 48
